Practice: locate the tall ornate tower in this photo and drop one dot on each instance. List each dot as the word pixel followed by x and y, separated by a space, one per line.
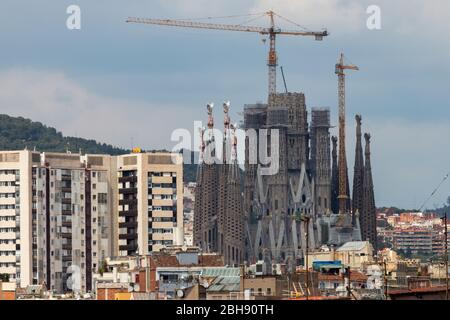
pixel 230 214
pixel 206 195
pixel 320 158
pixel 254 120
pixel 368 214
pixel 358 175
pixel 334 179
pixel 219 214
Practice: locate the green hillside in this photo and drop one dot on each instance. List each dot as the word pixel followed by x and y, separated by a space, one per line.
pixel 17 133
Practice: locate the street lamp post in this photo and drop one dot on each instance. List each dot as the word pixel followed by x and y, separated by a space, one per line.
pixel 305 218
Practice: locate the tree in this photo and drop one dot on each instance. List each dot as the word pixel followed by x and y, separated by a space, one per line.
pixel 103 267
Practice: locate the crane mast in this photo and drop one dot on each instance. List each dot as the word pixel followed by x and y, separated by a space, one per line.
pixel 342 167
pixel 272 31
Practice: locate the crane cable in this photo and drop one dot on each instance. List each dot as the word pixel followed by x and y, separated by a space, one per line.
pixel 223 17
pixel 292 22
pixel 434 191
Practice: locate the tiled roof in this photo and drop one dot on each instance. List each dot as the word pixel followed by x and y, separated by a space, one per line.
pixel 224 272
pixel 352 246
pixel 226 279
pixel 206 260
pixel 355 276
pixel 417 290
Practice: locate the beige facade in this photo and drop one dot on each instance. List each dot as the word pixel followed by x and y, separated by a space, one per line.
pixel 355 254
pixel 150 210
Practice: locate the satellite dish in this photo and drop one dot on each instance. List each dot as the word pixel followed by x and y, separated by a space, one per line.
pixel 180 293
pixel 130 288
pixel 205 284
pixel 136 287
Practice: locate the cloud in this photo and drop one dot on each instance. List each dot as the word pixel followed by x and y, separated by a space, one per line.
pixel 339 16
pixel 57 101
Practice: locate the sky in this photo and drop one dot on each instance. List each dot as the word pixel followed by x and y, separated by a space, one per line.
pixel 133 85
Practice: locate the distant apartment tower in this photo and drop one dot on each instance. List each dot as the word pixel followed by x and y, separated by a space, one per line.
pixel 150 202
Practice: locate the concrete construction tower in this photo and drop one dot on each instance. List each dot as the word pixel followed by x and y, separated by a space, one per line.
pixel 358 175
pixel 368 214
pixel 320 158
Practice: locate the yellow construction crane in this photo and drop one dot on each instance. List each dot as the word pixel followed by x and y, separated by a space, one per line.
pixel 272 31
pixel 343 174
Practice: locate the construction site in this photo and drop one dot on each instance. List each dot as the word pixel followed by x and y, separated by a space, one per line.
pixel 306 206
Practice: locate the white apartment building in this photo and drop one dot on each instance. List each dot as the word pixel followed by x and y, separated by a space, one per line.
pixel 16 247
pixel 62 214
pixel 55 218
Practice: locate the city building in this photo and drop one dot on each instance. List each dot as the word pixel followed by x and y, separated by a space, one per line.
pixel 302 194
pixel 61 214
pixel 62 218
pixel 218 211
pixel 150 202
pixel 418 240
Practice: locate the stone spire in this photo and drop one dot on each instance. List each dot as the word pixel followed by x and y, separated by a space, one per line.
pixel 206 199
pixel 320 158
pixel 230 212
pixel 334 179
pixel 358 175
pixel 368 216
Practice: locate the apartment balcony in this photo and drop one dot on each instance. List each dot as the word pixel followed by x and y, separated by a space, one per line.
pixel 66 177
pixel 67 246
pixel 128 213
pixel 66 258
pixel 132 224
pixel 66 189
pixel 128 179
pixel 66 235
pixel 66 223
pixel 127 190
pixel 66 200
pixel 66 212
pixel 128 201
pixel 128 247
pixel 128 236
